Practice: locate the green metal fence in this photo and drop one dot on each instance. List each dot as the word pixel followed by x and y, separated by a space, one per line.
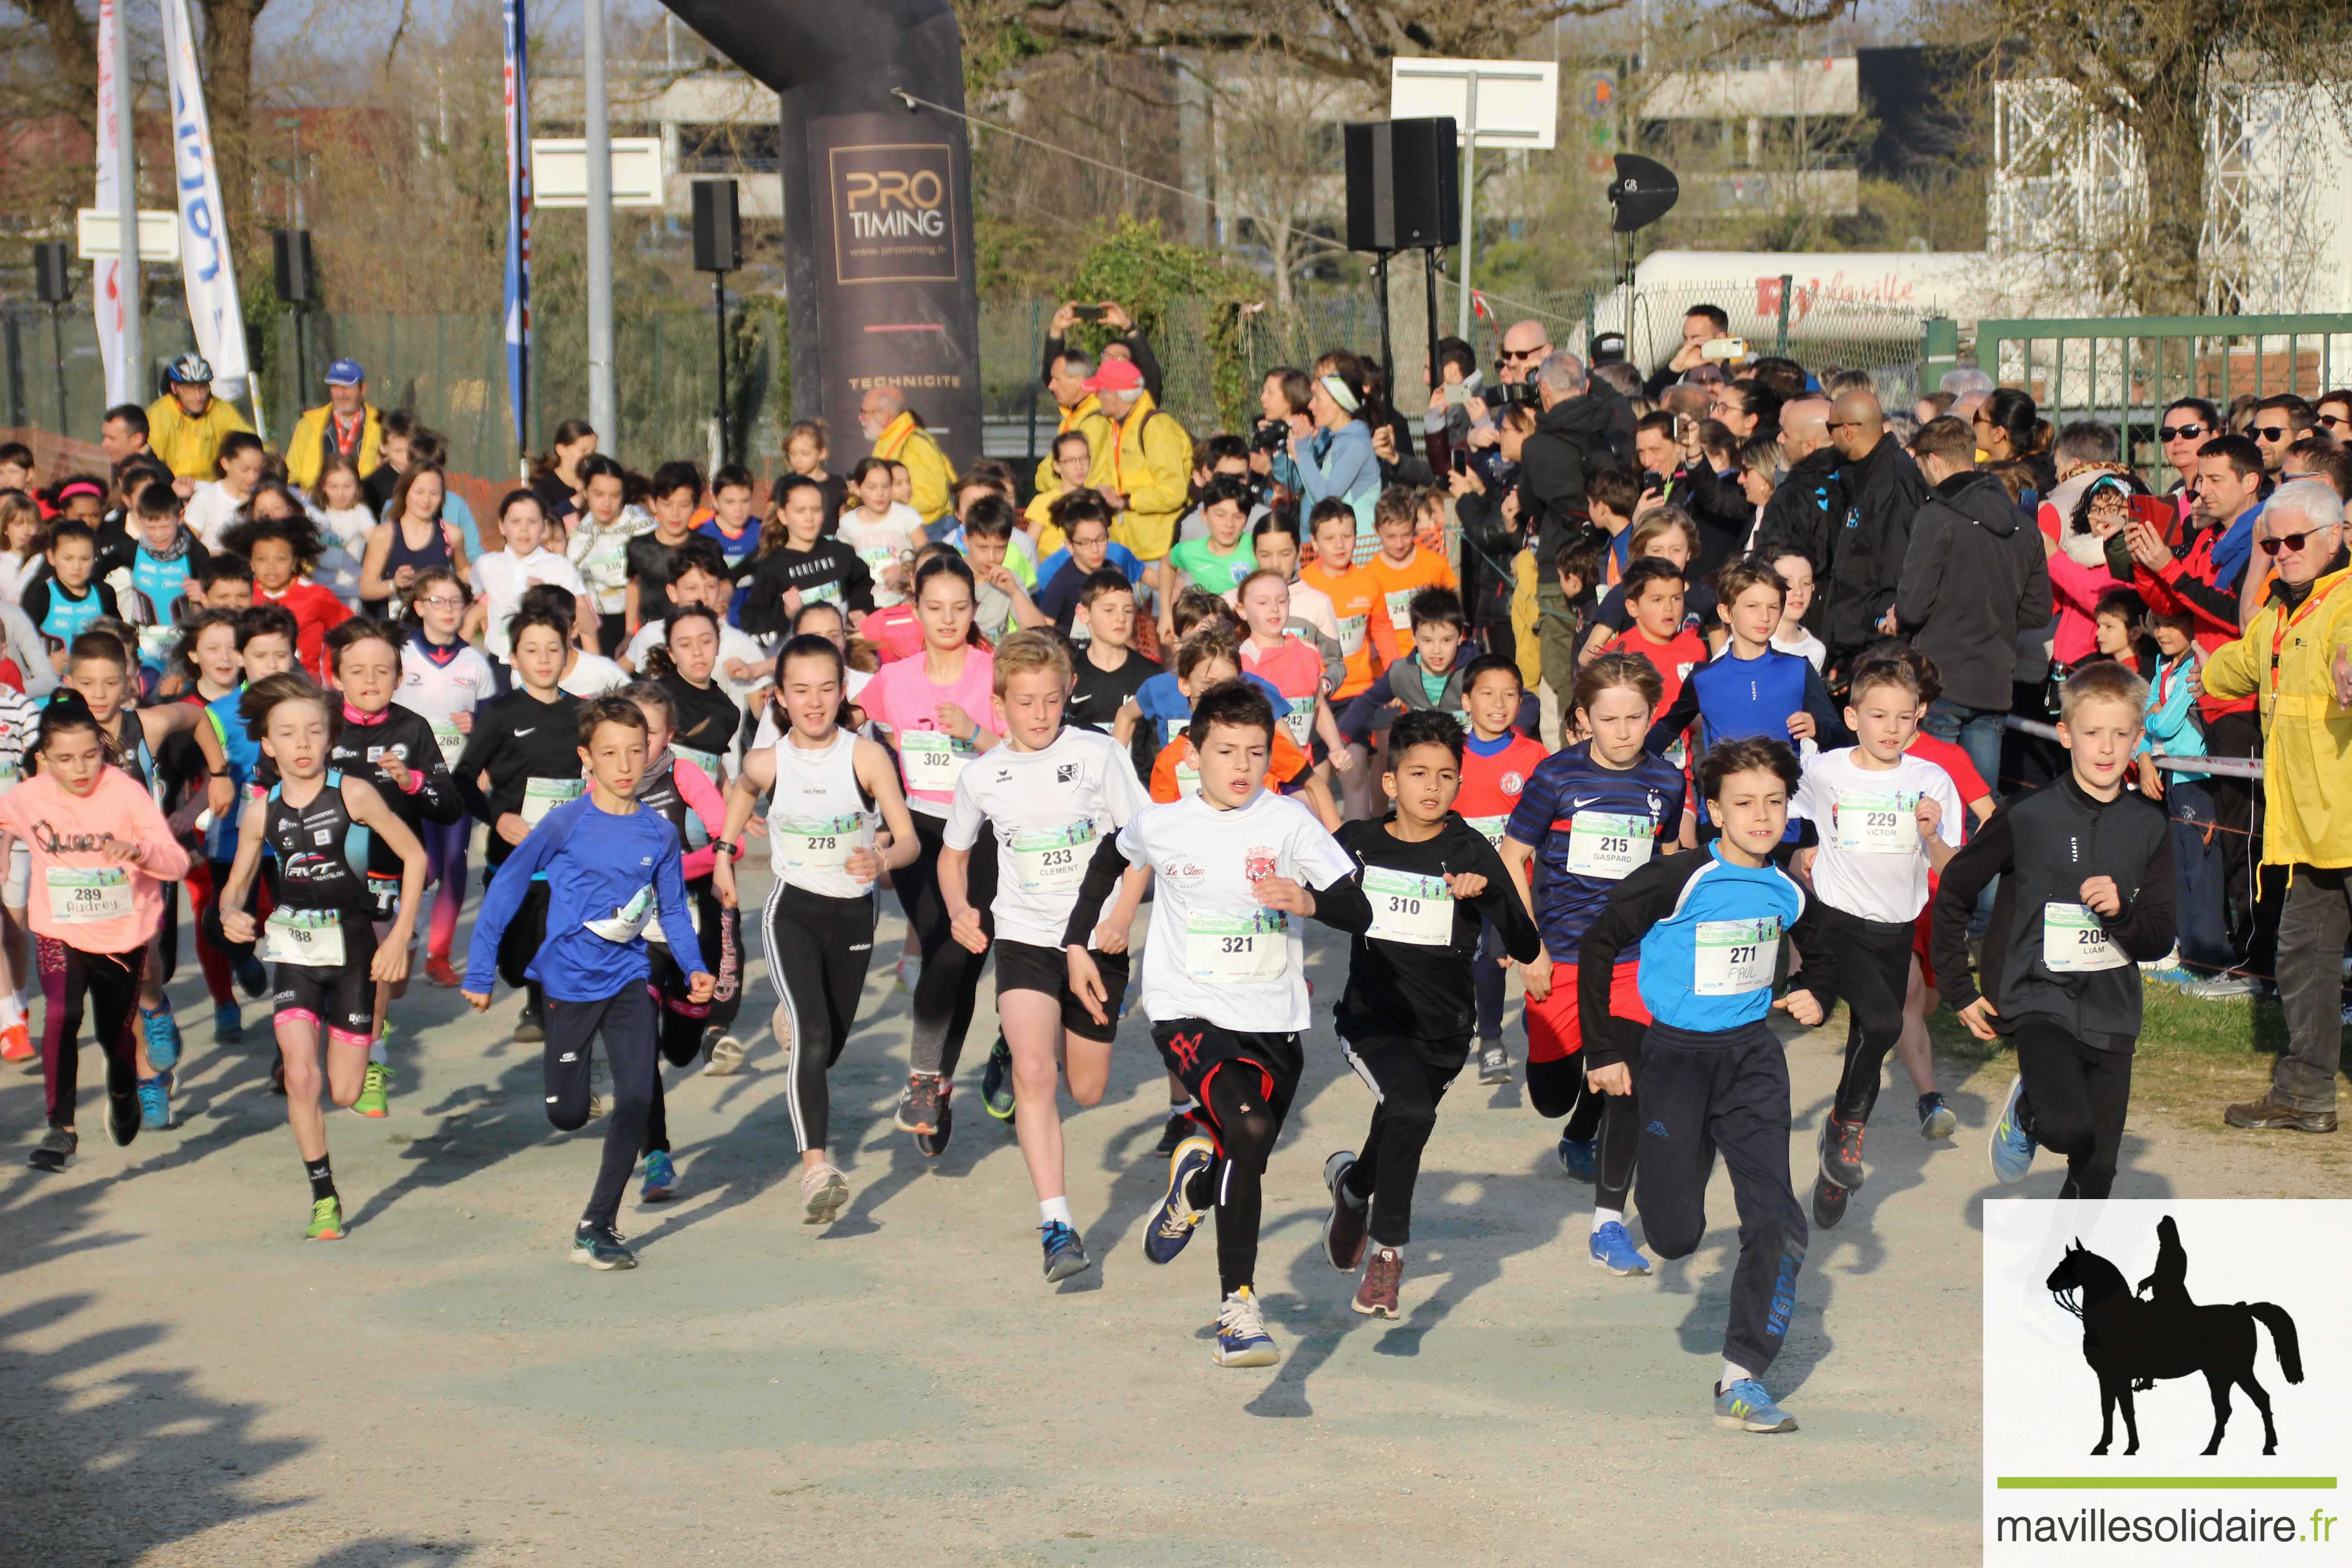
pixel 2127 370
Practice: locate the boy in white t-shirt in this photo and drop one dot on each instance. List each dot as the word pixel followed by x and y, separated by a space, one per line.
pixel 501 576
pixel 1048 795
pixel 1224 980
pixel 1879 812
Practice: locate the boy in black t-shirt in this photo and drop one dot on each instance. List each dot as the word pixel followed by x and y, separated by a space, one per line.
pixel 653 557
pixel 1110 671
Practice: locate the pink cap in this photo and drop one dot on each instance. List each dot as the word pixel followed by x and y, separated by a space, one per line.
pixel 1115 375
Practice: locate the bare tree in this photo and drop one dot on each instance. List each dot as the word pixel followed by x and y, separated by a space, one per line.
pixel 1279 157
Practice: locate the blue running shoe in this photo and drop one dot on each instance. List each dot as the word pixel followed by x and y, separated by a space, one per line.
pixel 1242 1339
pixel 2012 1145
pixel 2171 974
pixel 1064 1255
pixel 155 1102
pixel 1614 1250
pixel 162 1032
pixel 1173 1224
pixel 661 1178
pixel 1746 1406
pixel 254 976
pixel 228 1023
pixel 1576 1157
pixel 996 1082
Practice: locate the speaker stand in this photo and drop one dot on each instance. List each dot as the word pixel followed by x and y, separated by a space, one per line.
pixel 1387 359
pixel 1429 268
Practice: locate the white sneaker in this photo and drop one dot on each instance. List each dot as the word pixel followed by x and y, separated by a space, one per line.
pixel 726 1057
pixel 823 1193
pixel 2221 988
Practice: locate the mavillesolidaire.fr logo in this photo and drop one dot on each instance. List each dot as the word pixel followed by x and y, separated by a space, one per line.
pixel 2163 1381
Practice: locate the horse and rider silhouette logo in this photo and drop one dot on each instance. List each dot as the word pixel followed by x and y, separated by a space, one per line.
pixel 2132 1340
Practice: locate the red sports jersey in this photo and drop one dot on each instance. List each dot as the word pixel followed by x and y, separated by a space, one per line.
pixel 1673 661
pixel 1948 756
pixel 1491 784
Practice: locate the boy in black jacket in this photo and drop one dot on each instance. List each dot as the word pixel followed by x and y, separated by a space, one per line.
pixel 2086 896
pixel 1412 998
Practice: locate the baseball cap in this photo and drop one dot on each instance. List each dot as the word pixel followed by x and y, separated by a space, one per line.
pixel 1115 375
pixel 345 373
pixel 1608 348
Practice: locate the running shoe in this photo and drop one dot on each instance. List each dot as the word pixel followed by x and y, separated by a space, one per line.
pixel 918 1107
pixel 155 1102
pixel 1377 1296
pixel 17 1044
pixel 326 1220
pixel 2011 1145
pixel 374 1086
pixel 2170 974
pixel 123 1112
pixel 898 980
pixel 163 1033
pixel 1829 1199
pixel 1612 1249
pixel 823 1194
pixel 934 1143
pixel 1748 1407
pixel 439 970
pixel 254 976
pixel 2220 988
pixel 1242 1339
pixel 530 1028
pixel 1065 1253
pixel 722 1054
pixel 1937 1120
pixel 1494 1063
pixel 996 1081
pixel 1576 1157
pixel 1343 1229
pixel 661 1178
pixel 57 1146
pixel 228 1023
pixel 1842 1151
pixel 1173 1225
pixel 599 1247
pixel 1180 1126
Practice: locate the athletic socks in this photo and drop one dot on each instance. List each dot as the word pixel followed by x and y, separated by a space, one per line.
pixel 1606 1216
pixel 1732 1373
pixel 1180 1108
pixel 12 1010
pixel 323 1179
pixel 1052 1209
pixel 376 1052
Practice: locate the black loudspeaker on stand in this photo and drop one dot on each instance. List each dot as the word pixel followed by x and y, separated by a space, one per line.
pixel 1403 193
pixel 53 286
pixel 298 285
pixel 717 250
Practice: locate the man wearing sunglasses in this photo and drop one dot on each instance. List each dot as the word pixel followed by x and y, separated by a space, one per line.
pixel 2278 422
pixel 2336 413
pixel 2296 660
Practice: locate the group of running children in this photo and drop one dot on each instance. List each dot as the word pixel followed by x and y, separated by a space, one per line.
pixel 1649 903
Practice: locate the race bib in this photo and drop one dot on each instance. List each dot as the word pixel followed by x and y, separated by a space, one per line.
pixel 1081 633
pixel 1187 778
pixel 541 797
pixel 452 742
pixel 629 921
pixel 876 557
pixel 1052 864
pixel 654 932
pixel 1228 949
pixel 1300 720
pixel 1736 957
pixel 1491 828
pixel 2074 942
pixel 84 898
pixel 1351 633
pixel 822 593
pixel 816 844
pixel 311 938
pixel 1399 607
pixel 707 760
pixel 1875 824
pixel 933 760
pixel 1608 847
pixel 1409 908
pixel 155 642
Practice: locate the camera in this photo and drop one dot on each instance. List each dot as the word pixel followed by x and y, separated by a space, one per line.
pixel 1271 435
pixel 1515 395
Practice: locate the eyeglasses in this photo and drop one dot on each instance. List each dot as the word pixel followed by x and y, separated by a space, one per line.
pixel 1840 424
pixel 2293 542
pixel 2178 432
pixel 444 602
pixel 2267 432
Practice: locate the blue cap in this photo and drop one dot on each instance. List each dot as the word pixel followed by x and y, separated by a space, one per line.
pixel 345 373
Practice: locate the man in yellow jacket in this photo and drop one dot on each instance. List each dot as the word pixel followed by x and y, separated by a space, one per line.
pixel 2297 658
pixel 186 426
pixel 345 425
pixel 891 427
pixel 1081 411
pixel 1146 472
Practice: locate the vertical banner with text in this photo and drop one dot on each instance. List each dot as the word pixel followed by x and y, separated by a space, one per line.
pixel 517 279
pixel 214 311
pixel 122 381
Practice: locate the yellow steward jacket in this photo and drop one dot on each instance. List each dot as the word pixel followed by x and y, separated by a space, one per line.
pixel 306 449
pixel 904 441
pixel 1087 420
pixel 191 446
pixel 2286 660
pixel 1150 465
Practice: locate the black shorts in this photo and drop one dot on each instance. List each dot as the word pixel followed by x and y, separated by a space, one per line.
pixel 1194 1049
pixel 340 1001
pixel 1025 966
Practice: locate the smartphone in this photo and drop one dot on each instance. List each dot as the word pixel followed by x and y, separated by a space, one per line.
pixel 1457 394
pixel 1721 349
pixel 1087 312
pixel 1461 460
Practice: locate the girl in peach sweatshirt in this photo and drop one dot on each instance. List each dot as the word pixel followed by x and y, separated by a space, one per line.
pixel 100 855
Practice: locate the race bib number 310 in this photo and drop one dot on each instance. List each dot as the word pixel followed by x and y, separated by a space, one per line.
pixel 1409 907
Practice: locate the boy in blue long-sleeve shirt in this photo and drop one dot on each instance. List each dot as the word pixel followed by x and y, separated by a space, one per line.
pixel 611 866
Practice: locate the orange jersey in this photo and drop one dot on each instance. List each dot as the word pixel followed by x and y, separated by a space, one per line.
pixel 1491 784
pixel 1395 585
pixel 1174 773
pixel 1354 597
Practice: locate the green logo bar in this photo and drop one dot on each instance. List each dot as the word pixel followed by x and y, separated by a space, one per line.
pixel 2167 1483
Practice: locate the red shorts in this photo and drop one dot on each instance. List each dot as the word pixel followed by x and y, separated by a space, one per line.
pixel 1921 930
pixel 1554 1031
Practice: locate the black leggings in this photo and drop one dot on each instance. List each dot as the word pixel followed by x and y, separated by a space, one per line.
pixel 720 946
pixel 1558 1089
pixel 626 1020
pixel 2076 1097
pixel 111 980
pixel 1247 1124
pixel 1409 1076
pixel 818 950
pixel 1873 974
pixel 950 977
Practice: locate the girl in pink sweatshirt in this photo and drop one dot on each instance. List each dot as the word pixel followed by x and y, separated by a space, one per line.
pixel 100 855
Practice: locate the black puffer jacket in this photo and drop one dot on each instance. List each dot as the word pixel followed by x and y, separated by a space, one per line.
pixel 1571 440
pixel 1975 576
pixel 1884 489
pixel 1799 516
